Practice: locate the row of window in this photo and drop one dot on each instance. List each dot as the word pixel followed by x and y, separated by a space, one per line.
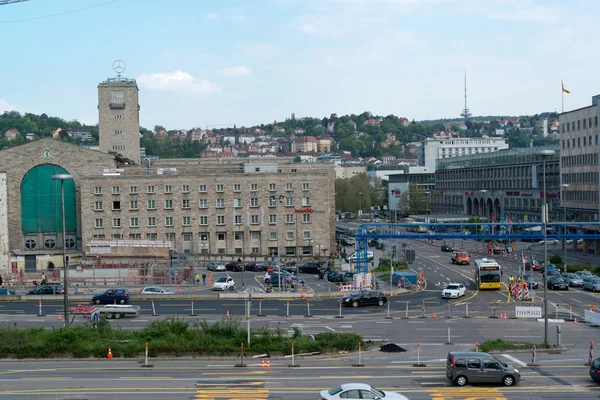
pixel 580 159
pixel 117 131
pixel 580 177
pixel 202 203
pixel 219 188
pixel 134 222
pixel 582 196
pixel 587 141
pixel 118 147
pixel 585 123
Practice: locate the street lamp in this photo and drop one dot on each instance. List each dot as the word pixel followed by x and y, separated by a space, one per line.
pixel 544 154
pixel 62 178
pixel 277 200
pixel 359 204
pixel 562 199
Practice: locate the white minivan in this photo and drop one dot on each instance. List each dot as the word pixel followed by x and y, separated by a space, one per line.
pixel 359 256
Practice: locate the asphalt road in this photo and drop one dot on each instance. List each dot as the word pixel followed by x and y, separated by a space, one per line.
pixel 556 378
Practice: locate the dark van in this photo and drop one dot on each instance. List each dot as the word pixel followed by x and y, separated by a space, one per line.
pixel 476 367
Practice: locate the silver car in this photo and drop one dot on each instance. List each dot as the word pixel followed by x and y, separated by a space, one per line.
pixel 572 279
pixel 216 266
pixel 591 283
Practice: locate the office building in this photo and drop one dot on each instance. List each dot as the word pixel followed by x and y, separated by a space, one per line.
pixel 433 149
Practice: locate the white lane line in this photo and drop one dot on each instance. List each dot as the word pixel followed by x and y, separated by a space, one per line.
pixel 346 326
pixel 515 360
pixel 579 301
pixel 331 329
pixel 383 322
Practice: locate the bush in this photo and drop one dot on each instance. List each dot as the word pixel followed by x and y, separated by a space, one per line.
pixel 171 336
pixel 384 265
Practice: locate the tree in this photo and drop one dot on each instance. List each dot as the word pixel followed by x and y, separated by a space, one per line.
pixel 159 128
pixel 414 201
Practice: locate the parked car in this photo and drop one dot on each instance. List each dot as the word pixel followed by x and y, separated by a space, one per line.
pixel 595 370
pixel 274 278
pixel 377 243
pixel 572 279
pixel 554 272
pixel 348 241
pixel 309 268
pixel 477 367
pixel 255 267
pixel 216 266
pixel 591 283
pixel 461 257
pixel 234 266
pixel 112 296
pixel 579 241
pixel 154 290
pixel 331 274
pixel 224 283
pixel 533 265
pixel 530 280
pixel 447 248
pixel 454 291
pixel 551 267
pixel 584 273
pixel 364 298
pixel 359 256
pixel 548 241
pixel 358 391
pixel 556 282
pixel 47 289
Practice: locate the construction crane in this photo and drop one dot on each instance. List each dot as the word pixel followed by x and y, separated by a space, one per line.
pixel 3 2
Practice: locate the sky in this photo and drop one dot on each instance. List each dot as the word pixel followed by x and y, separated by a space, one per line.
pixel 214 63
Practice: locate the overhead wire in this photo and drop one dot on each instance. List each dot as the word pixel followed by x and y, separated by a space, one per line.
pixel 59 14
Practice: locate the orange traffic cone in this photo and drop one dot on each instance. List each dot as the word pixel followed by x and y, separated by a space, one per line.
pixel 227 315
pixel 262 364
pixel 59 317
pixel 268 364
pixel 303 295
pixel 575 320
pixel 434 316
pixel 109 355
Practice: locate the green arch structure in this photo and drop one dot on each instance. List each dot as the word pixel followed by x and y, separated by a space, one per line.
pixel 41 201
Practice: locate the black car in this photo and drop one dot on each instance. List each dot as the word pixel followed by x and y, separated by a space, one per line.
pixel 255 267
pixel 331 275
pixel 52 288
pixel 447 248
pixel 234 266
pixel 364 298
pixel 557 283
pixel 376 243
pixel 595 370
pixel 530 281
pixel 348 241
pixel 309 268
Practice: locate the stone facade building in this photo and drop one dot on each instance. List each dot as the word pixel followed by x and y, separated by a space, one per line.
pixel 119 118
pixel 201 207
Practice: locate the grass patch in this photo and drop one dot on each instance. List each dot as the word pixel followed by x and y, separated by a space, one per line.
pixel 384 266
pixel 499 344
pixel 171 336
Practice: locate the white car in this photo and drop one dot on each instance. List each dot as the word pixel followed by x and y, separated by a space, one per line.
pixel 354 257
pixel 216 266
pixel 570 241
pixel 359 391
pixel 549 241
pixel 155 290
pixel 224 283
pixel 454 291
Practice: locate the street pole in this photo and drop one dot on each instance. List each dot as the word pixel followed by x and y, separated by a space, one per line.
pixel 297 258
pixel 544 154
pixel 62 178
pixel 277 233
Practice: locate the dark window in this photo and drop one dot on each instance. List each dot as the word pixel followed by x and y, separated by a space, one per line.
pixel 460 363
pixel 578 124
pixel 474 363
pixel 584 123
pixel 491 364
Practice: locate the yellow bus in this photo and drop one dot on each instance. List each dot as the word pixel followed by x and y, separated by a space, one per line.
pixel 488 274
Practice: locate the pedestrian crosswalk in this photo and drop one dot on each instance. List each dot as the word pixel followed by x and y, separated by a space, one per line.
pixel 232 390
pixel 465 393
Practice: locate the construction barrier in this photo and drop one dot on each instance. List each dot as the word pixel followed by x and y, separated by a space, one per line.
pixel 591 317
pixel 528 311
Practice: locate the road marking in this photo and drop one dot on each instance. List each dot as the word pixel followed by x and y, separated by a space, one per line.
pixel 331 329
pixel 383 322
pixel 515 360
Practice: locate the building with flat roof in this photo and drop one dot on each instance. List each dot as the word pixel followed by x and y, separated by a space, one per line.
pixel 498 185
pixel 433 149
pixel 579 161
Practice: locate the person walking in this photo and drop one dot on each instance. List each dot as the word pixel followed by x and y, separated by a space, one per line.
pixel 197 279
pixel 204 279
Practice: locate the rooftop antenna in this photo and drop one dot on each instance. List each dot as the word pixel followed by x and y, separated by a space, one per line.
pixel 119 67
pixel 465 112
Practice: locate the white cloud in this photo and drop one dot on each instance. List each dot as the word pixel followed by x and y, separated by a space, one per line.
pixel 177 81
pixel 240 70
pixel 212 16
pixel 4 106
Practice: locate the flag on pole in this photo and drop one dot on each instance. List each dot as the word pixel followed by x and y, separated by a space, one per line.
pixel 563 88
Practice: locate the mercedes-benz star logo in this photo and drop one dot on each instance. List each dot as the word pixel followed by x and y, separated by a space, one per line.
pixel 119 66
